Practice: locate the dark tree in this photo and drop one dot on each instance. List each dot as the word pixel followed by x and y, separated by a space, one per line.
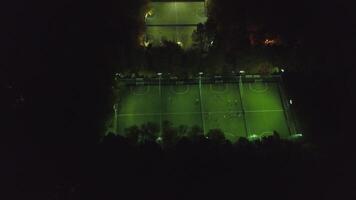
pixel 133 134
pixel 216 135
pixel 149 131
pixel 169 134
pixel 196 133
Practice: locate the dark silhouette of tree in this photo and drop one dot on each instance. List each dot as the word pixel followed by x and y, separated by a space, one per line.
pixel 149 131
pixel 216 135
pixel 202 38
pixel 276 135
pixel 183 130
pixel 133 134
pixel 169 134
pixel 196 133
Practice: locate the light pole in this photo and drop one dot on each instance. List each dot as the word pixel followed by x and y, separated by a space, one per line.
pixel 201 103
pixel 241 102
pixel 115 118
pixel 160 101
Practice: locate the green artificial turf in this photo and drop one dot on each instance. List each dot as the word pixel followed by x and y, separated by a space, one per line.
pixel 176 13
pixel 181 105
pixel 257 109
pixel 174 21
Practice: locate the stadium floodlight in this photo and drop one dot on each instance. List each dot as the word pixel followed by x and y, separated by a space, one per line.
pixel 159 74
pixel 290 101
pixel 201 73
pixel 148 14
pixel 159 139
pixel 146 43
pixel 253 137
pixel 297 135
pixel 242 72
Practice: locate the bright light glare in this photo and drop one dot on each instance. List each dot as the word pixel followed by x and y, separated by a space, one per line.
pixel 148 14
pixel 290 101
pixel 298 135
pixel 146 43
pixel 180 43
pixel 201 73
pixel 159 139
pixel 159 73
pixel 282 70
pixel 253 136
pixel 242 72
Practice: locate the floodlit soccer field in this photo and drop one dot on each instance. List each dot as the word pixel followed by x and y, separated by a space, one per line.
pixel 239 110
pixel 174 21
pixel 176 13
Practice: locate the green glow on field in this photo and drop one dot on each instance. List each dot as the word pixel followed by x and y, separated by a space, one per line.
pixel 209 106
pixel 298 135
pixel 174 21
pixel 253 137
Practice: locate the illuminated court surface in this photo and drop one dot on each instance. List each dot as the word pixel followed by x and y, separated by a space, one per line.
pixel 176 13
pixel 239 110
pixel 173 21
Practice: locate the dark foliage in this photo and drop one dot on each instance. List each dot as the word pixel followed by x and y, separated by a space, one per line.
pixel 56 66
pixel 269 168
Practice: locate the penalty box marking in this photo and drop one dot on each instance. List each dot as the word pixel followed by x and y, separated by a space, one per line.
pixel 266 87
pixel 184 92
pixel 226 87
pixel 140 93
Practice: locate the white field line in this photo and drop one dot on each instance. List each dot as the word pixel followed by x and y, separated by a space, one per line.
pixel 217 91
pixel 141 93
pixel 184 92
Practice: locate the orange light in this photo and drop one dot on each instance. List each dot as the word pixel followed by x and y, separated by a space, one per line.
pixel 269 42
